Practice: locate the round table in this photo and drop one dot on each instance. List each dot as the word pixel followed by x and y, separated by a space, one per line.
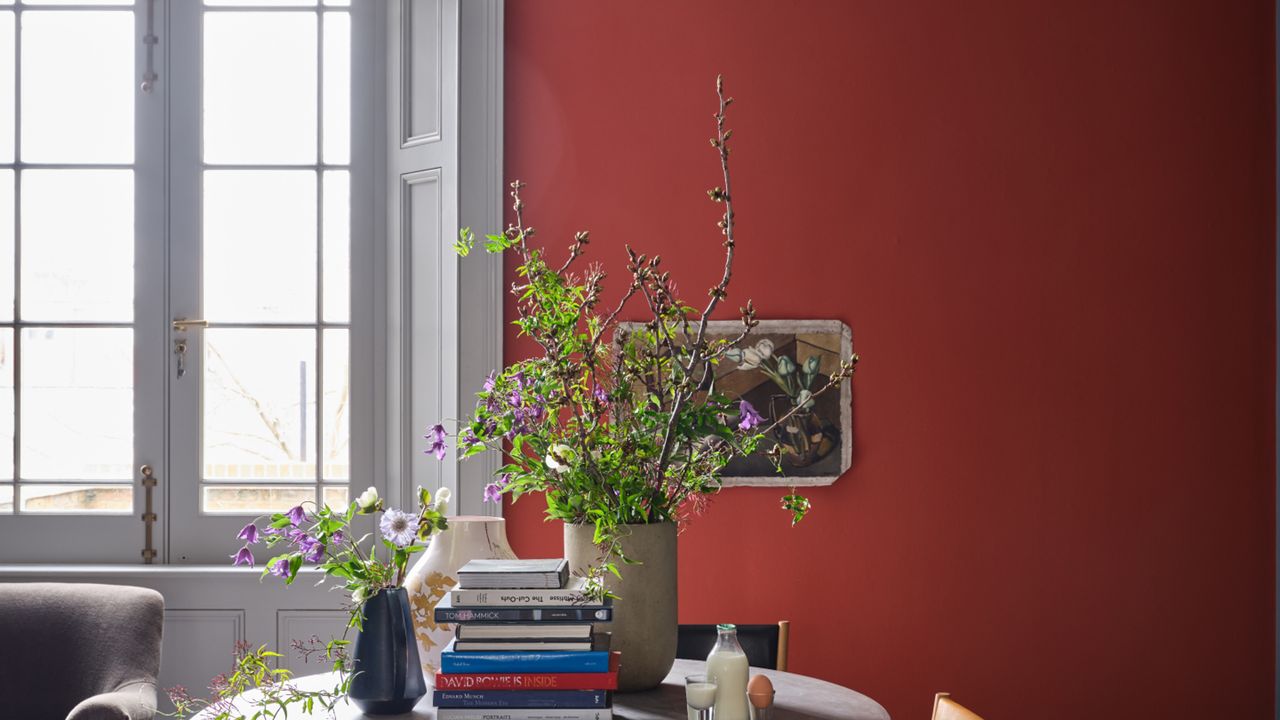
pixel 797 697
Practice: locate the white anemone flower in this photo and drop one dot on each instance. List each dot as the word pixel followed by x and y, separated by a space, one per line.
pixel 440 503
pixel 559 457
pixel 368 500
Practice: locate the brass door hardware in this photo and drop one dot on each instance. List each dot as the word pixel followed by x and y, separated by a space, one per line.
pixel 149 516
pixel 183 324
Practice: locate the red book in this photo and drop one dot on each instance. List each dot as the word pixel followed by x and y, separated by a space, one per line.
pixel 532 681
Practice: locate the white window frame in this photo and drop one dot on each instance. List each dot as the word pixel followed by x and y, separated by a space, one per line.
pixel 425 328
pixel 104 537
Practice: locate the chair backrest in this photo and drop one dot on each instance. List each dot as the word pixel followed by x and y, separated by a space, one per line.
pixel 65 642
pixel 766 646
pixel 944 708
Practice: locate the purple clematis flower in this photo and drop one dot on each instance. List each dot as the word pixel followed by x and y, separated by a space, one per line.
pixel 243 557
pixel 297 515
pixel 280 568
pixel 467 440
pixel 337 538
pixel 492 493
pixel 748 417
pixel 488 382
pixel 437 435
pixel 312 549
pixel 249 534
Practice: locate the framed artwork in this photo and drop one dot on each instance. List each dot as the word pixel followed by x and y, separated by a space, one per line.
pixel 778 367
pixel 781 364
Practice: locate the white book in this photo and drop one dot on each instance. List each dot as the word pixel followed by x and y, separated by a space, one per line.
pixel 491 573
pixel 532 714
pixel 568 596
pixel 521 645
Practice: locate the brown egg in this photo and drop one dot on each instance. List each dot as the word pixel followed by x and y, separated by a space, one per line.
pixel 760 691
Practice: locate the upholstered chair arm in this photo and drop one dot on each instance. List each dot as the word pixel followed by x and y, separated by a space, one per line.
pixel 131 701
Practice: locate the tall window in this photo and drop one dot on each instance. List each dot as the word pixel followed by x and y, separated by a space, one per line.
pixel 66 259
pixel 276 195
pixel 175 266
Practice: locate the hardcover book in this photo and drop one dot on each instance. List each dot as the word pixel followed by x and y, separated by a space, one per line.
pixel 445 612
pixel 527 714
pixel 570 661
pixel 521 699
pixel 520 645
pixel 570 594
pixel 524 631
pixel 531 681
pixel 508 574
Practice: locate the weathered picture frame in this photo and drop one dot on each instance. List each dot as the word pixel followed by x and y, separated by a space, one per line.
pixel 818 444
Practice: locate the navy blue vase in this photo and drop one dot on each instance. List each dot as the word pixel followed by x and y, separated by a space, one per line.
pixel 388 676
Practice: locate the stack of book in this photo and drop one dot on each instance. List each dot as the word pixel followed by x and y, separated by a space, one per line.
pixel 524 646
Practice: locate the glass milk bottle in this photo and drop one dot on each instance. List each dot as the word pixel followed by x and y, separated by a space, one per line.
pixel 727 667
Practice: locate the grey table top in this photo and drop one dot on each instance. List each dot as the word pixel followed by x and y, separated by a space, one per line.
pixel 797 697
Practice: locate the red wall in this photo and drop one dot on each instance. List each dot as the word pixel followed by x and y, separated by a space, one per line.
pixel 1050 226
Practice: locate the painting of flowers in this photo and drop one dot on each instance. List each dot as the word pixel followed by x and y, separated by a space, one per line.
pixel 779 367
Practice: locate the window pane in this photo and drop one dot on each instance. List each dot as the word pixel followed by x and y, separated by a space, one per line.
pixel 337 88
pixel 338 3
pixel 77 498
pixel 259 405
pixel 337 406
pixel 77 86
pixel 254 500
pixel 6 245
pixel 260 3
pixel 6 499
pixel 77 404
pixel 6 85
pixel 337 245
pixel 260 87
pixel 335 497
pixel 260 245
pixel 77 2
pixel 77 245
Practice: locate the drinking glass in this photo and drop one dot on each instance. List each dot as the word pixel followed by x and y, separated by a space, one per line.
pixel 700 694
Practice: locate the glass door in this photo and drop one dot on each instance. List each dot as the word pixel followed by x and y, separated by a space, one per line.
pixel 260 410
pixel 76 201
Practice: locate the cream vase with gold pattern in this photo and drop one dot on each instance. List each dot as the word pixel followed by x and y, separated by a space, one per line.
pixel 469 537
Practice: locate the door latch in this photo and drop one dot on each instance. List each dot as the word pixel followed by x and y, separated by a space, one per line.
pixel 181 325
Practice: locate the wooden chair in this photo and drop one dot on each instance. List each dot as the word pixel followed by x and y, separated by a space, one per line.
pixel 766 646
pixel 944 708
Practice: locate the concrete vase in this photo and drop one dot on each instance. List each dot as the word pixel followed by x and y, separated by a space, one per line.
pixel 645 618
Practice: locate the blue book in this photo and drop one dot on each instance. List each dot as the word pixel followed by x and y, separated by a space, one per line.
pixel 563 661
pixel 529 699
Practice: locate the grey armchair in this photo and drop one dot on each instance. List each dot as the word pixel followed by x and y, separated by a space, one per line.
pixel 79 651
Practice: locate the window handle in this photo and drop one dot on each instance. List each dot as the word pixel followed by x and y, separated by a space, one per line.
pixel 183 324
